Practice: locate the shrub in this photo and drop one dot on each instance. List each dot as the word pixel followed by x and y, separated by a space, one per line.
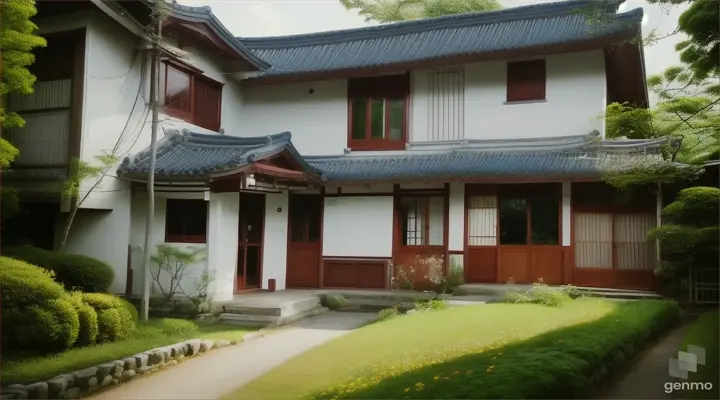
pixel 74 271
pixel 36 312
pixel 388 313
pixel 115 319
pixel 335 301
pixel 179 327
pixel 430 305
pixel 540 294
pixel 88 320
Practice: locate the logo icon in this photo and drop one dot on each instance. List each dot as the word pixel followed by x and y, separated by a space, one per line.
pixel 687 362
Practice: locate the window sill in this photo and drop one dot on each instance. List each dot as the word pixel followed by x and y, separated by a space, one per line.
pixel 377 146
pixel 512 103
pixel 185 239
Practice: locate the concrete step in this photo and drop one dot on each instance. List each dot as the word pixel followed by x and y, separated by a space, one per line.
pixel 266 320
pixel 265 308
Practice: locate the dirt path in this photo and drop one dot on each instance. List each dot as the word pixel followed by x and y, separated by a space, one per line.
pixel 223 370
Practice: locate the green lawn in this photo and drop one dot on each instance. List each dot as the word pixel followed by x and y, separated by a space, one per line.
pixel 17 368
pixel 484 351
pixel 705 332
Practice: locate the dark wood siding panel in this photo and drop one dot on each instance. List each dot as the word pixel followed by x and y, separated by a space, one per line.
pixel 355 274
pixel 208 100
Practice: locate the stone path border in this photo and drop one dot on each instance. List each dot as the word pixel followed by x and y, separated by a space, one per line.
pixel 81 383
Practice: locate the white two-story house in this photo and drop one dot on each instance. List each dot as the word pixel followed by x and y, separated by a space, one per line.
pixel 330 160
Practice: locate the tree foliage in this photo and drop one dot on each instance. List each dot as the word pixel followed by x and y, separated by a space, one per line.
pixel 82 173
pixel 701 23
pixel 17 39
pixel 690 235
pixel 686 110
pixel 404 10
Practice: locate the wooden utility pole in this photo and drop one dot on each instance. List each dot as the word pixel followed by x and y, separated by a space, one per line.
pixel 154 105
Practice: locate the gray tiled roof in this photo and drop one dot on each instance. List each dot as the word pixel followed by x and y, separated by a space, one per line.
pixel 192 156
pixel 455 35
pixel 565 157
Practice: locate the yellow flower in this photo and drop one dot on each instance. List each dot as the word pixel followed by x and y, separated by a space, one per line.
pixel 407 390
pixel 470 372
pixel 436 377
pixel 456 372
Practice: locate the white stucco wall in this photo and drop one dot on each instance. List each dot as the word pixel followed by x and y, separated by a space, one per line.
pixel 274 253
pixel 456 217
pixel 222 238
pixel 114 82
pixel 575 94
pixel 358 226
pixel 317 120
pixel 137 241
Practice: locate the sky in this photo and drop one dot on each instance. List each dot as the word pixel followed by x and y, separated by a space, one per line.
pixel 288 17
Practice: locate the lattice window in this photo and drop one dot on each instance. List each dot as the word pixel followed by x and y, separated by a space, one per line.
pixel 446 113
pixel 593 240
pixel 634 251
pixel 482 221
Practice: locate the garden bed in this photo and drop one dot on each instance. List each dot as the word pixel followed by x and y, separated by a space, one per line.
pixel 25 368
pixel 484 351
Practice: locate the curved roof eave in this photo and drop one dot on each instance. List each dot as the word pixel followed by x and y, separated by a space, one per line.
pixel 532 11
pixel 205 15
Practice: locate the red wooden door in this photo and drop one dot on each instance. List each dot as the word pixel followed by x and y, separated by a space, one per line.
pixel 250 241
pixel 304 240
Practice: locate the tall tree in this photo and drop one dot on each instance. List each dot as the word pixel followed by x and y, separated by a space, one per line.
pixel 701 23
pixel 404 10
pixel 17 39
pixel 687 110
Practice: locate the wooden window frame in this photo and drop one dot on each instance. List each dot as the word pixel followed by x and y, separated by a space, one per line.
pixel 425 199
pixel 184 238
pixel 195 75
pixel 387 88
pixel 526 81
pixel 528 194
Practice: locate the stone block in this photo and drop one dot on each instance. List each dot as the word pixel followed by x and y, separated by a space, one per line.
pixel 222 343
pixel 72 393
pixel 58 385
pixel 206 345
pixel 141 360
pixel 119 368
pixel 104 370
pixel 106 381
pixel 193 346
pixel 38 390
pixel 85 377
pixel 154 357
pixel 129 363
pixel 127 375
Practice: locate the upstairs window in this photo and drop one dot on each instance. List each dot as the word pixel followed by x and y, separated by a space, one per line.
pixel 186 221
pixel 526 81
pixel 378 112
pixel 192 97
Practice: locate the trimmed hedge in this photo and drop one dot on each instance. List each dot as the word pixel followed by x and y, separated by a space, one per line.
pixel 88 320
pixel 566 363
pixel 74 271
pixel 115 316
pixel 36 312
